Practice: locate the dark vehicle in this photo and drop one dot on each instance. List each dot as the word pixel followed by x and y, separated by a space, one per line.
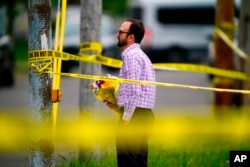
pixel 6 53
pixel 6 62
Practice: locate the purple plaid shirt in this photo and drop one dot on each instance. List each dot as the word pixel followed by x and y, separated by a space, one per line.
pixel 137 66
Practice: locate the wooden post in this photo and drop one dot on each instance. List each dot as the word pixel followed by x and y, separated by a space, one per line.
pixel 224 55
pixel 39 38
pixel 91 14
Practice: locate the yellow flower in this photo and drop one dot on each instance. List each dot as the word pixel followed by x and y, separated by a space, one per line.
pixel 106 92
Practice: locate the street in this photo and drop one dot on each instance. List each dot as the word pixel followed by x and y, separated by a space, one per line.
pixel 17 97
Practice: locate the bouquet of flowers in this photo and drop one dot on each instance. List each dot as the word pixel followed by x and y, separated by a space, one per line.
pixel 106 92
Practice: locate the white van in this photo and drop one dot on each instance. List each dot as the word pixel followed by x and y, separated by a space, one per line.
pixel 176 30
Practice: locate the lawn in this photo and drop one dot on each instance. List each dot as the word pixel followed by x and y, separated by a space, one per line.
pixel 197 151
pixel 181 142
pixel 194 151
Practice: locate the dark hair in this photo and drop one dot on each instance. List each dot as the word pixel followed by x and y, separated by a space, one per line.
pixel 137 29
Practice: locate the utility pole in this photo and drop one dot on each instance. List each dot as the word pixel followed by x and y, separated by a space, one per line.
pixel 39 38
pixel 224 15
pixel 90 23
pixel 244 44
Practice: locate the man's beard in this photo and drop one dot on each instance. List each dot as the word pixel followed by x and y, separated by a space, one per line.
pixel 121 43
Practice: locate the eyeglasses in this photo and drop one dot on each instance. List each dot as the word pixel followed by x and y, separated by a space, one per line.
pixel 122 32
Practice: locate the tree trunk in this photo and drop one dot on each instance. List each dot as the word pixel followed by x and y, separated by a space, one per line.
pixel 39 37
pixel 91 13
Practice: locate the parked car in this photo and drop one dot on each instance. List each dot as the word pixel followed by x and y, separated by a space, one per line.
pixel 6 62
pixel 176 30
pixel 6 54
pixel 72 36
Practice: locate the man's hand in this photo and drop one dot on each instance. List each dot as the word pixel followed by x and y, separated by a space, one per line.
pixel 125 122
pixel 110 105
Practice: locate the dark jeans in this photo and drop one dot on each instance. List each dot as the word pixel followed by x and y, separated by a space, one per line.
pixel 132 139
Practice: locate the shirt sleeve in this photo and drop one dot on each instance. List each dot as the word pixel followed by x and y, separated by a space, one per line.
pixel 133 90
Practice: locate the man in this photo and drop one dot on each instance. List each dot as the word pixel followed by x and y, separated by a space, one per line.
pixel 135 100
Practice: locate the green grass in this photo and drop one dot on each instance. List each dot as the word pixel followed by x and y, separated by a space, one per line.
pixel 197 151
pixel 181 141
pixel 189 151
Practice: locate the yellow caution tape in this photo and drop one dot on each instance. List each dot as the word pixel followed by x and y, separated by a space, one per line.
pixel 203 69
pixel 90 52
pixel 122 80
pixel 231 44
pixel 47 55
pixel 90 48
pixel 227 25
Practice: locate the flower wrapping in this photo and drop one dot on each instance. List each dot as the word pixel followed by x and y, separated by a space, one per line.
pixel 105 91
